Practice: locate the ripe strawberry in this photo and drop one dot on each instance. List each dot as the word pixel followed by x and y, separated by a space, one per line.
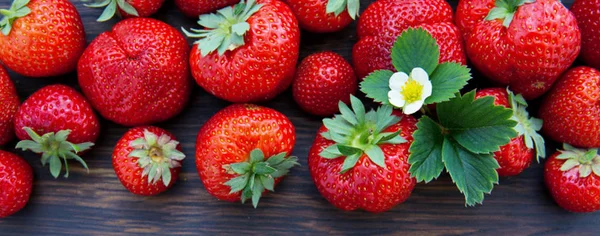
pixel 573 178
pixel 16 180
pixel 66 121
pixel 9 104
pixel 126 8
pixel 517 155
pixel 587 13
pixel 232 146
pixel 324 16
pixel 570 110
pixel 137 74
pixel 195 8
pixel 322 80
pixel 383 21
pixel 360 160
pixel 525 44
pixel 147 160
pixel 251 61
pixel 41 38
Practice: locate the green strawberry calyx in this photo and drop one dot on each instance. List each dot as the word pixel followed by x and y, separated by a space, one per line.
pixel 17 10
pixel 224 30
pixel 526 125
pixel 54 147
pixel 356 132
pixel 157 156
pixel 338 6
pixel 257 174
pixel 588 161
pixel 505 10
pixel 110 8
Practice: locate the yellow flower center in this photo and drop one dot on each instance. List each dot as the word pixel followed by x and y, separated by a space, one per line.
pixel 412 91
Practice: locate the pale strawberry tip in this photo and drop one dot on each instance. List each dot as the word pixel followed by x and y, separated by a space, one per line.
pixel 110 8
pixel 17 10
pixel 156 156
pixel 526 125
pixel 588 161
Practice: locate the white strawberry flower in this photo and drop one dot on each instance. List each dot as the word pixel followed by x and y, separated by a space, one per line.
pixel 409 92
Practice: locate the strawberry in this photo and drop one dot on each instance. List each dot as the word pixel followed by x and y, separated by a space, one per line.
pixel 195 8
pixel 573 178
pixel 9 104
pixel 16 182
pixel 383 21
pixel 518 154
pixel 66 121
pixel 360 160
pixel 324 16
pixel 587 13
pixel 526 44
pixel 147 160
pixel 321 81
pixel 570 110
pixel 41 38
pixel 242 151
pixel 137 74
pixel 126 8
pixel 242 58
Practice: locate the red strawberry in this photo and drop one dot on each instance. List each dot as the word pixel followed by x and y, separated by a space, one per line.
pixel 322 80
pixel 126 8
pixel 573 178
pixel 360 160
pixel 570 110
pixel 383 21
pixel 147 160
pixel 195 8
pixel 41 38
pixel 9 104
pixel 527 51
pixel 232 146
pixel 64 119
pixel 324 16
pixel 587 13
pixel 517 155
pixel 254 59
pixel 16 180
pixel 137 74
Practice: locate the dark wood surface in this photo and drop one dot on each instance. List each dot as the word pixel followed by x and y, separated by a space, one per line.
pixel 97 203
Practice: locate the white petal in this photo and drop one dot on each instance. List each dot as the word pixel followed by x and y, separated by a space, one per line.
pixel 427 89
pixel 411 108
pixel 419 75
pixel 398 80
pixel 396 98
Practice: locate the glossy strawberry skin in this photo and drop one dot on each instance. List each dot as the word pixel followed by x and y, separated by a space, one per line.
pixel 513 157
pixel 16 182
pixel 322 80
pixel 587 13
pixel 570 110
pixel 144 8
pixel 312 16
pixel 137 74
pixel 542 41
pixel 383 21
pixel 9 104
pixel 258 70
pixel 230 135
pixel 55 108
pixel 47 42
pixel 366 186
pixel 130 173
pixel 195 8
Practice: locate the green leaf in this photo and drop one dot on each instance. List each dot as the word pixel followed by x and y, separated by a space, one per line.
pixel 335 6
pixel 277 159
pixel 415 48
pixel 358 108
pixel 268 182
pixel 347 114
pixel 241 167
pixel 353 8
pixel 348 150
pixel 256 155
pixel 377 85
pixel 257 191
pixel 126 7
pixel 17 10
pixel 55 166
pixel 262 168
pixel 376 155
pixel 100 4
pixel 166 176
pixel 284 167
pixel 350 162
pixel 331 152
pixel 238 183
pixel 447 80
pixel 426 151
pixel 108 12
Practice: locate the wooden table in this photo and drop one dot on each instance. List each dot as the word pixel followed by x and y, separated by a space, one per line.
pixel 97 203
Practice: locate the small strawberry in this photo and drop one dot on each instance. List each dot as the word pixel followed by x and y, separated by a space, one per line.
pixel 66 121
pixel 324 16
pixel 16 180
pixel 147 160
pixel 195 8
pixel 587 13
pixel 573 178
pixel 41 38
pixel 323 79
pixel 126 8
pixel 242 151
pixel 9 104
pixel 137 74
pixel 570 110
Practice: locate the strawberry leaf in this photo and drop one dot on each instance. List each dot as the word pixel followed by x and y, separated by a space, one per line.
pixel 447 80
pixel 377 85
pixel 426 151
pixel 415 48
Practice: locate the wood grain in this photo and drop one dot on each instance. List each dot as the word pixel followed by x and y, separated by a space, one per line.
pixel 97 204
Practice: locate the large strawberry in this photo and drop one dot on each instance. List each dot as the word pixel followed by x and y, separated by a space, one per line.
pixel 526 44
pixel 242 151
pixel 359 159
pixel 147 160
pixel 9 104
pixel 570 110
pixel 587 13
pixel 195 8
pixel 16 180
pixel 41 38
pixel 383 21
pixel 247 53
pixel 137 74
pixel 324 16
pixel 126 8
pixel 66 122
pixel 573 178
